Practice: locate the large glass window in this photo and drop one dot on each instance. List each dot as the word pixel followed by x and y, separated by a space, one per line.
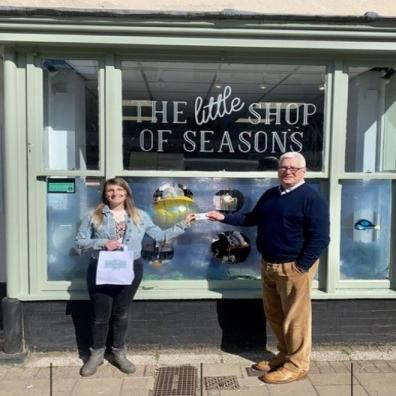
pixel 207 251
pixel 366 229
pixel 220 116
pixel 71 130
pixel 68 201
pixel 371 124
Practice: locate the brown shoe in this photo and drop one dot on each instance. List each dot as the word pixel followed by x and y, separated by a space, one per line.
pixel 269 365
pixel 282 376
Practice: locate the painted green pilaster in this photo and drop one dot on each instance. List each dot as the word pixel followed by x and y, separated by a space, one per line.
pixel 15 186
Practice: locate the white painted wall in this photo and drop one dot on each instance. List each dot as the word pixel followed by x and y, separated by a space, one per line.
pixel 2 229
pixel 384 8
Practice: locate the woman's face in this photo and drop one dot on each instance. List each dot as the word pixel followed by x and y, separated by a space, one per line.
pixel 115 195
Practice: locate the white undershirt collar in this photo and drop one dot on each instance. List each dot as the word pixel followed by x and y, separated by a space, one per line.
pixel 287 190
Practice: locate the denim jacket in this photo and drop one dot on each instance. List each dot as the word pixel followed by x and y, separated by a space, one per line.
pixel 90 238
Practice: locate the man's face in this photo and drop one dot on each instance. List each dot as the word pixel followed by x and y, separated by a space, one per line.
pixel 290 172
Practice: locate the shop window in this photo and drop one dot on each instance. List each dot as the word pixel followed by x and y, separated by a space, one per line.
pixel 68 201
pixel 371 124
pixel 366 229
pixel 220 116
pixel 71 132
pixel 207 251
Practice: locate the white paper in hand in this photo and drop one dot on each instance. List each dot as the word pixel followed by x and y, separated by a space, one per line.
pixel 201 216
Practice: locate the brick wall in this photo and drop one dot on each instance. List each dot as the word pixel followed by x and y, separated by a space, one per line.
pixel 226 324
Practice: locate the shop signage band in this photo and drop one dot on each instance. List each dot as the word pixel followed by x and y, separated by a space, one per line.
pixel 273 126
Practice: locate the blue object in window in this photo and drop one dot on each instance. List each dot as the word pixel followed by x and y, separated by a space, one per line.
pixel 364 224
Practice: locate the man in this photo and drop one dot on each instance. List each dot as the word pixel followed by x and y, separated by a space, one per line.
pixel 292 231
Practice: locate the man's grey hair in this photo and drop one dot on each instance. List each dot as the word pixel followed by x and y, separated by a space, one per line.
pixel 294 155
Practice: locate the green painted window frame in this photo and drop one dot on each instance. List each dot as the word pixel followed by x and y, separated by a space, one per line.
pixel 23 90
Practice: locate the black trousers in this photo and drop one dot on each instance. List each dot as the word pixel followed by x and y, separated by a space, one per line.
pixel 110 306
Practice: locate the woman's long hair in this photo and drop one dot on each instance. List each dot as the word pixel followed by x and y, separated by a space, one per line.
pixel 129 204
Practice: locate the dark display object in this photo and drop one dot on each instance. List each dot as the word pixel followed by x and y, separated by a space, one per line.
pixel 157 253
pixel 172 190
pixel 231 247
pixel 228 201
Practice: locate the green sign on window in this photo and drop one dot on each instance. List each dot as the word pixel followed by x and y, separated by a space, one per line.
pixel 62 186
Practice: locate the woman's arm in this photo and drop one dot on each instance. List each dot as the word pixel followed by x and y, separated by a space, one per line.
pixel 85 237
pixel 163 235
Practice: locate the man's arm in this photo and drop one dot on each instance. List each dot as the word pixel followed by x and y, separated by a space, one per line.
pixel 237 219
pixel 316 230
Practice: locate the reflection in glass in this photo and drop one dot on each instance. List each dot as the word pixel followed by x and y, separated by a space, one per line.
pixel 71 128
pixel 365 229
pixel 371 123
pixel 187 257
pixel 220 116
pixel 64 213
pixel 228 201
pixel 231 247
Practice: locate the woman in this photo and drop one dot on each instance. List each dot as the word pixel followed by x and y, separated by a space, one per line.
pixel 116 222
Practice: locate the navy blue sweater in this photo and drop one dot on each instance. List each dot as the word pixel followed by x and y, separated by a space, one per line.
pixel 290 227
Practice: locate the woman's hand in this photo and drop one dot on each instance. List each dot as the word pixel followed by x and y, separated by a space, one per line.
pixel 112 244
pixel 190 218
pixel 215 216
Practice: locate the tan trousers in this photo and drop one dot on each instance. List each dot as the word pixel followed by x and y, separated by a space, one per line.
pixel 287 306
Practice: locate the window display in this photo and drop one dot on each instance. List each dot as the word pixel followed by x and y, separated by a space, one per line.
pixel 366 229
pixel 220 116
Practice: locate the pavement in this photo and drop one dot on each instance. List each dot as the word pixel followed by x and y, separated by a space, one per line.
pixel 210 373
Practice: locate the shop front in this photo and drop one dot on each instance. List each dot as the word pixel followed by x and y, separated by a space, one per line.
pixel 194 113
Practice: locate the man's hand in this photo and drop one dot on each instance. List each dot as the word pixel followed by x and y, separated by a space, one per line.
pixel 215 216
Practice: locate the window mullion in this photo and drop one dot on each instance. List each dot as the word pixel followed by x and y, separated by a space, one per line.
pixel 337 159
pixel 113 118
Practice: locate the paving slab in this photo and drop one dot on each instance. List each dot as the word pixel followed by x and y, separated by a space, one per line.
pixel 331 379
pixel 383 365
pixel 21 372
pixel 341 390
pixel 250 381
pixel 313 368
pixel 97 386
pixel 217 370
pixel 246 392
pixel 366 366
pixel 38 387
pixel 113 372
pixel 297 388
pixel 341 367
pixel 382 384
pixel 383 378
pixel 392 363
pixel 325 367
pixel 57 372
pixel 248 358
pixel 150 370
pixel 139 386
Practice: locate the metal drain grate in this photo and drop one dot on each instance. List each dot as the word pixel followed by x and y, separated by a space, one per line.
pixel 176 381
pixel 251 372
pixel 228 382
